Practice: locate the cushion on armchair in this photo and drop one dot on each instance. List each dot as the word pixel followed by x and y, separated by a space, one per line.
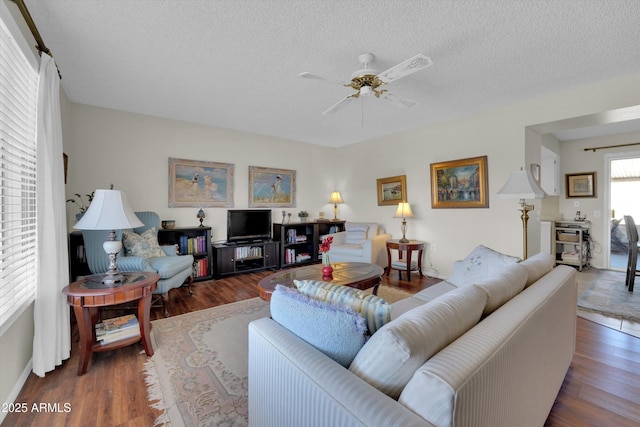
pixel 144 245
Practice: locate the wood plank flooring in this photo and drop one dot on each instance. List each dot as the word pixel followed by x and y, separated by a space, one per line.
pixel 602 387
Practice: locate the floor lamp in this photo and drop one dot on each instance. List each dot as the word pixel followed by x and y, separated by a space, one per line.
pixel 521 185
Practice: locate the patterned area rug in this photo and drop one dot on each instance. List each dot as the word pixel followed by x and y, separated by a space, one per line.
pixel 608 295
pixel 198 374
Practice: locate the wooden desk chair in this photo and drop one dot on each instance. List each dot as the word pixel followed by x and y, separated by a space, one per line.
pixel 632 236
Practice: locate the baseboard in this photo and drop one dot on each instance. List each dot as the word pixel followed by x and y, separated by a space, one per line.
pixel 17 387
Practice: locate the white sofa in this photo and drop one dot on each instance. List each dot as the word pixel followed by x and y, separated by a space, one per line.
pixel 506 370
pixel 360 242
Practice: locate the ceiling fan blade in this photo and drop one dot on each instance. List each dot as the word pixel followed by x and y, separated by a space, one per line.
pixel 405 68
pixel 312 76
pixel 400 102
pixel 340 105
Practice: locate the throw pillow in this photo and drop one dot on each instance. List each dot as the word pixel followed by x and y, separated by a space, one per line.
pixel 391 356
pixel 144 245
pixel 356 233
pixel 336 330
pixel 481 264
pixel 537 266
pixel 375 310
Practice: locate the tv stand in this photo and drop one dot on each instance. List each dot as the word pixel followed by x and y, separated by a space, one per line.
pixel 243 257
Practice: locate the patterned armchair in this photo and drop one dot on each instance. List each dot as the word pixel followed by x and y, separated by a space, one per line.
pixel 173 269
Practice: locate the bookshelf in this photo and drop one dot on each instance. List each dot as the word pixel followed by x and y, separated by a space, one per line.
pixel 300 242
pixel 244 257
pixel 195 241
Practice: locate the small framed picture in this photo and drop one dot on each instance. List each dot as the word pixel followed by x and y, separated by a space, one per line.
pixel 392 190
pixel 581 184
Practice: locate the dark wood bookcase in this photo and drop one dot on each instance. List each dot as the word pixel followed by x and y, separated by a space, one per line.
pixel 300 241
pixel 244 257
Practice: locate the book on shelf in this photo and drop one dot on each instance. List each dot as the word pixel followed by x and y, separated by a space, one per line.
pixel 117 328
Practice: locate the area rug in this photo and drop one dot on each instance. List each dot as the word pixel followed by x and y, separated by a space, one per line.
pixel 608 295
pixel 198 373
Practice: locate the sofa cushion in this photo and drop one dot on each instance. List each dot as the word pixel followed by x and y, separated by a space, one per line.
pixel 334 329
pixel 356 233
pixel 481 264
pixel 144 245
pixel 375 310
pixel 502 287
pixel 391 356
pixel 420 298
pixel 537 266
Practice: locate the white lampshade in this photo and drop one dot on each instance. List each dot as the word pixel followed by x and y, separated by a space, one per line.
pixel 335 197
pixel 521 185
pixel 403 211
pixel 109 210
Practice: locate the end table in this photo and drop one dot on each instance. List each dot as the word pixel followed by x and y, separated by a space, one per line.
pixel 412 245
pixel 88 294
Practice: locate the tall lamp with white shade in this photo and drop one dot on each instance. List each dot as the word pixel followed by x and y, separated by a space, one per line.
pixel 109 210
pixel 404 212
pixel 521 185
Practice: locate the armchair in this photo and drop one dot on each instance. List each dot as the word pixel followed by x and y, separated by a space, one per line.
pixel 173 269
pixel 360 243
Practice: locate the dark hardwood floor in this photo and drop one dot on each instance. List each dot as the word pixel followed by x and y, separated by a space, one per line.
pixel 602 387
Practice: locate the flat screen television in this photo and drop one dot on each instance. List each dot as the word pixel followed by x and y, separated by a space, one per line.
pixel 248 225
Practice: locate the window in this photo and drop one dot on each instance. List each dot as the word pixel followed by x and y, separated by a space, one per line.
pixel 18 106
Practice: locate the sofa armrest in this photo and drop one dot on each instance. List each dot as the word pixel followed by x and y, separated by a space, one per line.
pixel 134 263
pixel 170 250
pixel 379 249
pixel 288 377
pixel 339 238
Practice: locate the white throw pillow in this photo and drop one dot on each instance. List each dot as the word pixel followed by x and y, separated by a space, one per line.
pixel 391 356
pixel 481 264
pixel 356 233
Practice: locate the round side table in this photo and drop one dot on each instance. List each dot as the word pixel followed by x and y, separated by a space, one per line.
pixel 408 248
pixel 89 294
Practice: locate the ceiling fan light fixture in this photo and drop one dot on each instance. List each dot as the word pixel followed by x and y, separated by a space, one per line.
pixel 365 90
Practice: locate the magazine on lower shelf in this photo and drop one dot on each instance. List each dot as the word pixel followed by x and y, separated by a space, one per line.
pixel 117 328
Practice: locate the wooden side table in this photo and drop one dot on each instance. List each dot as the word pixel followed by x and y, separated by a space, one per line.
pixel 409 247
pixel 89 294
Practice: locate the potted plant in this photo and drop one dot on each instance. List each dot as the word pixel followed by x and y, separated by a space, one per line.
pixel 303 215
pixel 81 204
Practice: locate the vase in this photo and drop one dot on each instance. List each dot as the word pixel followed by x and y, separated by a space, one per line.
pixel 327 270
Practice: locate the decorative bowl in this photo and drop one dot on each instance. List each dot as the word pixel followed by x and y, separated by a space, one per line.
pixel 168 224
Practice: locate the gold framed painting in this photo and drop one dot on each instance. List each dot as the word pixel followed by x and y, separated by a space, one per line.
pixel 196 183
pixel 272 188
pixel 392 190
pixel 460 183
pixel 581 184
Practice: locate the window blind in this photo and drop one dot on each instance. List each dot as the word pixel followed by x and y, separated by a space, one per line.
pixel 18 107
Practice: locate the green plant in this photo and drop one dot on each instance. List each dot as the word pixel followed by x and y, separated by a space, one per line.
pixel 80 203
pixel 303 214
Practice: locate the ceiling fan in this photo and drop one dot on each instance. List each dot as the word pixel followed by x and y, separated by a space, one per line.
pixel 367 81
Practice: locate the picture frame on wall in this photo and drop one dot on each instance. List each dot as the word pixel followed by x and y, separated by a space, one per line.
pixel 580 184
pixel 392 190
pixel 272 188
pixel 197 183
pixel 460 183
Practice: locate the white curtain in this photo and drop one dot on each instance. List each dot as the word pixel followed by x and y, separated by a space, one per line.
pixel 52 337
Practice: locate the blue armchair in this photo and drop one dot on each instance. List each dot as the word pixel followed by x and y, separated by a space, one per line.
pixel 173 269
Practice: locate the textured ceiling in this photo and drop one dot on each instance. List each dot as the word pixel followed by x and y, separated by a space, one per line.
pixel 235 63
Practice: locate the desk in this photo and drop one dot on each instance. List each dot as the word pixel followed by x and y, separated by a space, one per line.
pixel 409 247
pixel 89 294
pixel 357 275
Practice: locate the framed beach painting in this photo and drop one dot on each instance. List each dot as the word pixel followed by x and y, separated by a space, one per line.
pixel 460 183
pixel 581 184
pixel 196 183
pixel 392 190
pixel 272 188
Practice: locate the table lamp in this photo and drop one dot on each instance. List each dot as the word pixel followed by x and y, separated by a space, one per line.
pixel 335 199
pixel 109 210
pixel 521 185
pixel 200 215
pixel 404 212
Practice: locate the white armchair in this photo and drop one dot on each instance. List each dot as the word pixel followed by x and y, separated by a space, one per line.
pixel 360 243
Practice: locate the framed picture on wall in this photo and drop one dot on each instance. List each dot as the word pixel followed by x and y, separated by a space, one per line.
pixel 392 190
pixel 581 184
pixel 460 183
pixel 196 183
pixel 272 188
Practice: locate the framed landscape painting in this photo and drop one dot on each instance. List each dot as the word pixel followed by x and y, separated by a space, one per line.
pixel 581 184
pixel 196 183
pixel 272 188
pixel 392 190
pixel 460 183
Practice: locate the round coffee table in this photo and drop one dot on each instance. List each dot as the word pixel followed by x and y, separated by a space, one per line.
pixel 357 275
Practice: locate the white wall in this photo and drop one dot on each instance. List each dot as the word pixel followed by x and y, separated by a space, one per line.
pixel 132 151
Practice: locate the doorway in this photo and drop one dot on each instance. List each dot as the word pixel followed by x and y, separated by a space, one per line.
pixel 624 199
